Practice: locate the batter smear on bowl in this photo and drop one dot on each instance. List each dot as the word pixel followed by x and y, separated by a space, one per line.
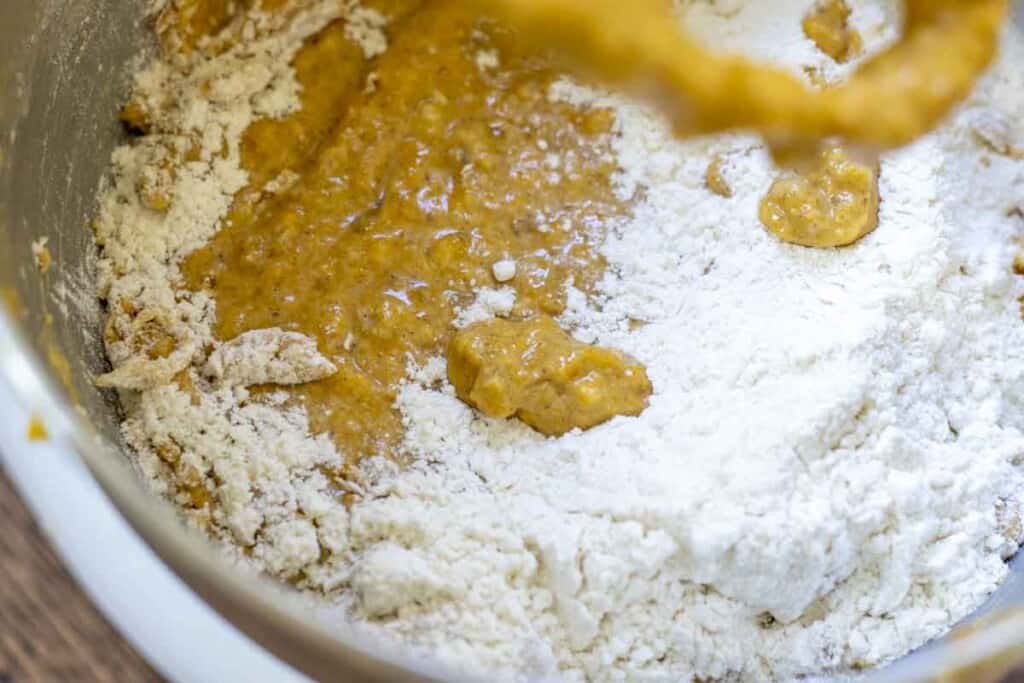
pixel 499 370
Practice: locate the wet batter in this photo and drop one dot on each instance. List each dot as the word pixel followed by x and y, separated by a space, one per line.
pixel 405 179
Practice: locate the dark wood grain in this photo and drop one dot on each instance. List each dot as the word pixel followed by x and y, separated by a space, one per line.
pixel 48 629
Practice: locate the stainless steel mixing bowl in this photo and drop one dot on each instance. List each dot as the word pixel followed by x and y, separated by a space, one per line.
pixel 63 73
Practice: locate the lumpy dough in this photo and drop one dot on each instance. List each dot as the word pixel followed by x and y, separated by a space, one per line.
pixel 833 204
pixel 533 370
pixel 828 25
pixel 714 179
pixel 191 20
pixel 378 211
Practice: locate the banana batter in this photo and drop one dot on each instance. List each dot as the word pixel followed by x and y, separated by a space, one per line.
pixel 393 192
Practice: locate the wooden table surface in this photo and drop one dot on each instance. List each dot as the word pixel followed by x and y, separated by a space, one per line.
pixel 49 631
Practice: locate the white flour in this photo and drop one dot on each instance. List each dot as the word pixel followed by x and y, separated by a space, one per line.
pixel 826 476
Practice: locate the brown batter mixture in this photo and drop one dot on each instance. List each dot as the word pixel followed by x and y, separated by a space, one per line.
pixel 408 177
pixel 37 430
pixel 188 21
pixel 831 205
pixel 827 24
pixel 714 179
pixel 535 371
pixel 12 302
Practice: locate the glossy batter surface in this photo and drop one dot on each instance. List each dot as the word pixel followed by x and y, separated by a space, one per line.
pixel 394 191
pixel 833 204
pixel 533 370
